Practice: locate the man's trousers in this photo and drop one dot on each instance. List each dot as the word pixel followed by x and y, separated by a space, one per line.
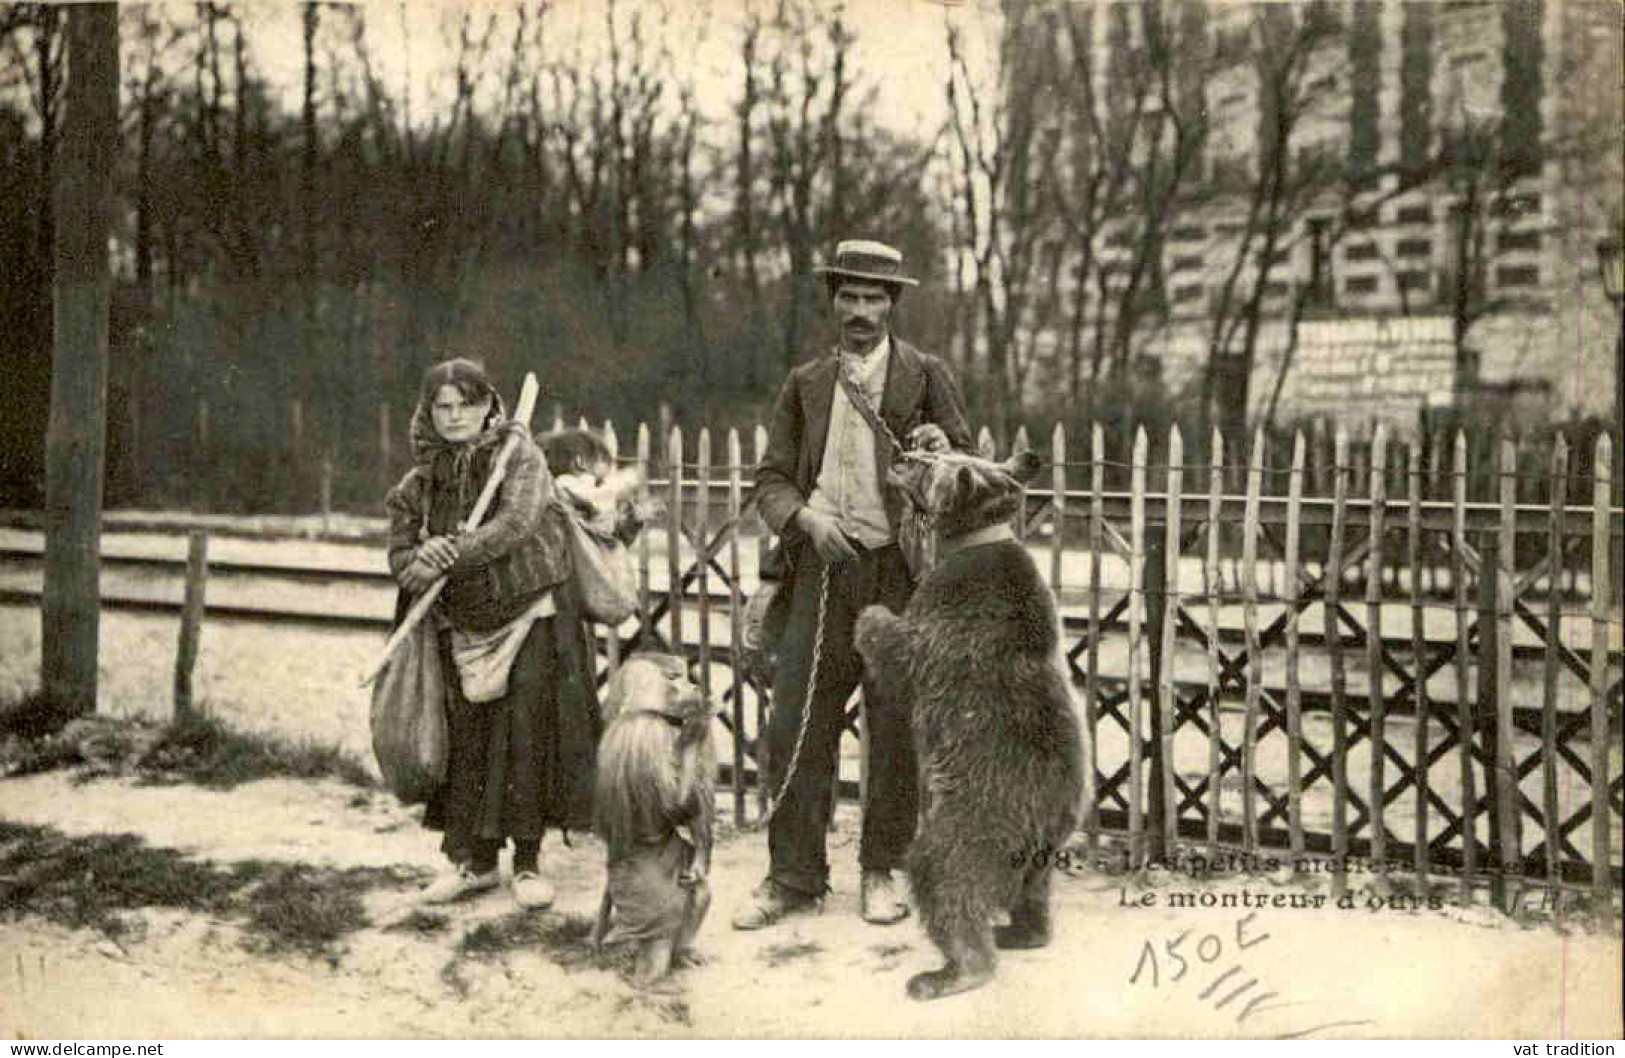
pixel 797 831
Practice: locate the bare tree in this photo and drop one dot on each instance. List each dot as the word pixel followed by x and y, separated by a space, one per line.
pixel 1288 58
pixel 1002 153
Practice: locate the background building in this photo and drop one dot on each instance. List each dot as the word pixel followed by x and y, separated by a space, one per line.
pixel 1386 206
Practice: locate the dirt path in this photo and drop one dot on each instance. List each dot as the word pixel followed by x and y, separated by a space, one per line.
pixel 1333 973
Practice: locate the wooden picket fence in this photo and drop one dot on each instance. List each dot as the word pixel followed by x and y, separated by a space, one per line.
pixel 1352 664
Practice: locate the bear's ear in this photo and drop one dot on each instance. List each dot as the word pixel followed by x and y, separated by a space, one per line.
pixel 1023 465
pixel 984 445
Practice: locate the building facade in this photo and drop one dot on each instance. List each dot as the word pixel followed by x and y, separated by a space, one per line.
pixel 1449 170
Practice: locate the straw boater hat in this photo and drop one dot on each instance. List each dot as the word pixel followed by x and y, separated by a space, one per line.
pixel 867 260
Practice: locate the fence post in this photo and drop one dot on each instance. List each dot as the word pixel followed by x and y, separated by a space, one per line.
pixel 736 606
pixel 674 537
pixel 612 633
pixel 385 456
pixel 1602 543
pixel 1509 821
pixel 327 491
pixel 200 492
pixel 1136 630
pixel 1496 790
pixel 197 572
pixel 1091 678
pixel 1154 583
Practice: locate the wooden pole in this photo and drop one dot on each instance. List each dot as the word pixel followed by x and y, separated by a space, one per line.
pixel 76 433
pixel 1091 684
pixel 1020 520
pixel 386 458
pixel 1294 611
pixel 736 606
pixel 1510 817
pixel 1557 486
pixel 1489 634
pixel 1602 469
pixel 1057 542
pixel 674 537
pixel 1136 635
pixel 759 450
pixel 327 491
pixel 1211 579
pixel 612 633
pixel 197 574
pixel 1255 653
pixel 702 534
pixel 1334 647
pixel 1419 695
pixel 1373 647
pixel 1163 661
pixel 1464 697
pixel 646 631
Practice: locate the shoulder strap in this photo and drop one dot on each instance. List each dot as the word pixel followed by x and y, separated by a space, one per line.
pixel 854 394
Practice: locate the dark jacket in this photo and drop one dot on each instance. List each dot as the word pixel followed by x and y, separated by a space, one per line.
pixel 503 564
pixel 919 389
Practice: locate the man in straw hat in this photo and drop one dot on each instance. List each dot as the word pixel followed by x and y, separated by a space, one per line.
pixel 822 488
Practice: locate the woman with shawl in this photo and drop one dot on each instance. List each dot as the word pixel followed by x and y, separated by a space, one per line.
pixel 521 710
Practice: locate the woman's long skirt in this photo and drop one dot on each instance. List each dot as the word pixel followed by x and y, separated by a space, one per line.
pixel 523 763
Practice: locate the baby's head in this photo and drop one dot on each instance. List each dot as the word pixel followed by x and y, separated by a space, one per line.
pixel 577 452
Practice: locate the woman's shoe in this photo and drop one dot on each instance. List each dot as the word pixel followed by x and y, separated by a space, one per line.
pixel 531 891
pixel 464 881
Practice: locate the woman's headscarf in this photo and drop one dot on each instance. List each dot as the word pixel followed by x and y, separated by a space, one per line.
pixel 447 463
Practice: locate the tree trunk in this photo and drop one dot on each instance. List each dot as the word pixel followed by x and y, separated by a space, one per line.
pixel 76 438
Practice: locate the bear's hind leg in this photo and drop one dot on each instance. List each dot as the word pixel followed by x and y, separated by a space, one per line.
pixel 954 916
pixel 1029 915
pixel 970 965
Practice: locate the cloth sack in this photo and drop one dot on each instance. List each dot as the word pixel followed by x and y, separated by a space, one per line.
pixel 408 717
pixel 484 659
pixel 602 571
pixel 766 614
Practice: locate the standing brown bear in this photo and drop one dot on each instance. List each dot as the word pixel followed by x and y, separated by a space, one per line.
pixel 974 658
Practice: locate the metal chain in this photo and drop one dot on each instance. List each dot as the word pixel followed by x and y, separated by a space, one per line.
pixel 870 415
pixel 806 708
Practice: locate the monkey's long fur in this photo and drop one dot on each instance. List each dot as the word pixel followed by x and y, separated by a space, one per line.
pixel 654 781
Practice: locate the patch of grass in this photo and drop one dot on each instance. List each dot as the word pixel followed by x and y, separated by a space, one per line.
pixel 201 750
pixel 565 940
pixel 500 935
pixel 421 921
pixel 31 717
pixel 30 736
pixel 207 752
pixel 779 954
pixel 297 907
pixel 86 882
pixel 82 883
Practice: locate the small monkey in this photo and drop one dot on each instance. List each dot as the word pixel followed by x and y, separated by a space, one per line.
pixel 656 769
